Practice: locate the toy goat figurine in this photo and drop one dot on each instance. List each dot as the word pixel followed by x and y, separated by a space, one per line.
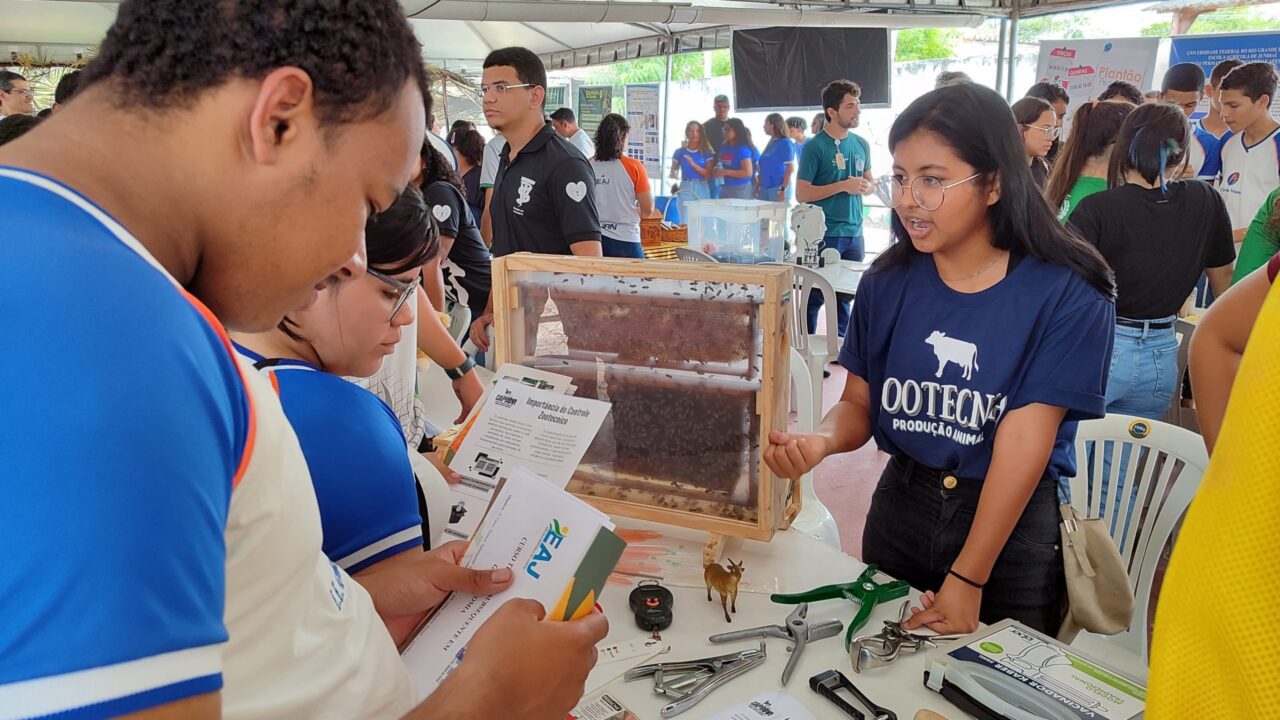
pixel 726 583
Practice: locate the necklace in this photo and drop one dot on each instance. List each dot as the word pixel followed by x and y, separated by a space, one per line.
pixel 984 268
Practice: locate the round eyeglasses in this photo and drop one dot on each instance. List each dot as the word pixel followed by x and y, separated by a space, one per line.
pixel 404 290
pixel 928 192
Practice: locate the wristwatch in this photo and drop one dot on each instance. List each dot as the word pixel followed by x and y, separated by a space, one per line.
pixel 463 369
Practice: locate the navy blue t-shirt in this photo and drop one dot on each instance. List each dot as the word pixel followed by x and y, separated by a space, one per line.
pixel 945 367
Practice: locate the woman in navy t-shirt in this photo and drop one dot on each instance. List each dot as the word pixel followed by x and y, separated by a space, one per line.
pixel 737 164
pixel 978 340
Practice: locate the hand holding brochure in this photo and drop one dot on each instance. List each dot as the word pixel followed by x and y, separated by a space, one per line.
pixel 560 549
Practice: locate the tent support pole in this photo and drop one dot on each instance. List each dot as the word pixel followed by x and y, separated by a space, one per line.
pixel 1000 51
pixel 1013 47
pixel 666 115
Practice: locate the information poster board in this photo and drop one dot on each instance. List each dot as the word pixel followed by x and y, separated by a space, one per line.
pixel 644 116
pixel 556 95
pixel 1086 67
pixel 594 102
pixel 1209 50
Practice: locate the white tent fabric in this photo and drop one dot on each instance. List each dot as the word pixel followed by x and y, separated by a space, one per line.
pixel 458 33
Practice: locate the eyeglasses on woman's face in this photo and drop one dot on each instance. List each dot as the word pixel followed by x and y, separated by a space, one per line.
pixel 929 192
pixel 404 290
pixel 1050 130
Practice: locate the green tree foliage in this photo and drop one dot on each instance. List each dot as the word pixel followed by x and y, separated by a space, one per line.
pixel 1068 26
pixel 685 66
pixel 1222 21
pixel 925 44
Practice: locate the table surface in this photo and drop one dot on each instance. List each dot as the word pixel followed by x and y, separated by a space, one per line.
pixel 801 562
pixel 844 276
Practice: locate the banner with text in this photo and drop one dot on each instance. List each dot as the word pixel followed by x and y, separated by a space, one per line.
pixel 643 113
pixel 594 102
pixel 1086 67
pixel 1209 50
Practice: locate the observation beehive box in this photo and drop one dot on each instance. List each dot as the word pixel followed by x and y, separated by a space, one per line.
pixel 693 357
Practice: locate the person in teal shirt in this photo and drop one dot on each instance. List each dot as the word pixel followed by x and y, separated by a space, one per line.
pixel 835 172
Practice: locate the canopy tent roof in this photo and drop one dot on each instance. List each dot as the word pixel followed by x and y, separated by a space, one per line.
pixel 459 33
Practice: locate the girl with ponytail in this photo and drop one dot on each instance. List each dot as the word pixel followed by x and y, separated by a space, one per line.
pixel 1081 168
pixel 1158 234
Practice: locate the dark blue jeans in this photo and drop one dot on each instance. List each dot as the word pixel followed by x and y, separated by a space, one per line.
pixel 620 248
pixel 850 248
pixel 917 526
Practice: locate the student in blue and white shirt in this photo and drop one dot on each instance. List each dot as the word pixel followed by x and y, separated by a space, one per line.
pixel 1183 85
pixel 978 340
pixel 352 440
pixel 1250 153
pixel 161 531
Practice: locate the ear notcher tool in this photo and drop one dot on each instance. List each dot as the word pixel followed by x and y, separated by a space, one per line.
pixel 691 681
pixel 796 629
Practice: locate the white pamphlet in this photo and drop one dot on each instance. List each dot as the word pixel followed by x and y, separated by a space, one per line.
pixel 560 549
pixel 775 705
pixel 518 425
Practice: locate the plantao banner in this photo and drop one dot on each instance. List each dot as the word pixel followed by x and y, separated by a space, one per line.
pixel 1209 50
pixel 1086 67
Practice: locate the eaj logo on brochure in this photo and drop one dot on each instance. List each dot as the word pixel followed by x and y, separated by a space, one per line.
pixel 551 539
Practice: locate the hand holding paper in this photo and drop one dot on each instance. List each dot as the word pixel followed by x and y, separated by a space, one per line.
pixel 521 666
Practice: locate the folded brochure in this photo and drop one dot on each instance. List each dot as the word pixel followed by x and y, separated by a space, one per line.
pixel 518 425
pixel 560 549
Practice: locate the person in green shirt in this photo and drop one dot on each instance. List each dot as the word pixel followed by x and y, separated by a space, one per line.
pixel 834 174
pixel 1081 169
pixel 1261 240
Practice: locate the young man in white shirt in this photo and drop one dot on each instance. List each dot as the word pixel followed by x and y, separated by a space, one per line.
pixel 1251 151
pixel 206 594
pixel 1212 122
pixel 566 125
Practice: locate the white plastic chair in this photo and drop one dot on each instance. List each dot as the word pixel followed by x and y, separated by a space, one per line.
pixel 816 349
pixel 690 255
pixel 814 518
pixel 1164 468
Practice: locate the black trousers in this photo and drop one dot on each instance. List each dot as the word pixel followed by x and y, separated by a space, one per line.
pixel 917 527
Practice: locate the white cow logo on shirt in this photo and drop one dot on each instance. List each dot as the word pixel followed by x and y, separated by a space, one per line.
pixel 948 349
pixel 526 187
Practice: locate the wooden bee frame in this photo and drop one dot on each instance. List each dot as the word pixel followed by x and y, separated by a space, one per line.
pixel 695 359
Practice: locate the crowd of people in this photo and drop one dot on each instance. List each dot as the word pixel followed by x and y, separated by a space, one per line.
pixel 270 235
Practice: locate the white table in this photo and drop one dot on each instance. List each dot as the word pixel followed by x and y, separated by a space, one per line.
pixel 802 563
pixel 844 276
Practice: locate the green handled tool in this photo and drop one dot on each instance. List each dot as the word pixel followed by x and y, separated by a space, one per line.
pixel 864 591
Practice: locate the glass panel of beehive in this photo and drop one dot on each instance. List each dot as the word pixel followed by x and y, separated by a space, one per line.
pixel 681 363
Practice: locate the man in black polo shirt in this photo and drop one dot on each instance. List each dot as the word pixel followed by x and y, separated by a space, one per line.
pixel 543 198
pixel 713 131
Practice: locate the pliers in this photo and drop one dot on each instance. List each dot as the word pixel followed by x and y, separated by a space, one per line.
pixel 796 629
pixel 864 591
pixel 694 679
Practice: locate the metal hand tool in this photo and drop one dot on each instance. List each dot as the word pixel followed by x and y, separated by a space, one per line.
pixel 796 629
pixel 691 681
pixel 864 591
pixel 826 684
pixel 877 650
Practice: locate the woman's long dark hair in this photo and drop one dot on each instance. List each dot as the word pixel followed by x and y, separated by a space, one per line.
pixel 404 236
pixel 435 166
pixel 1153 141
pixel 470 145
pixel 611 136
pixel 1094 128
pixel 977 124
pixel 742 136
pixel 778 125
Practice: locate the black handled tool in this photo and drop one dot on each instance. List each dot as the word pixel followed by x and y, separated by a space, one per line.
pixel 827 683
pixel 651 604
